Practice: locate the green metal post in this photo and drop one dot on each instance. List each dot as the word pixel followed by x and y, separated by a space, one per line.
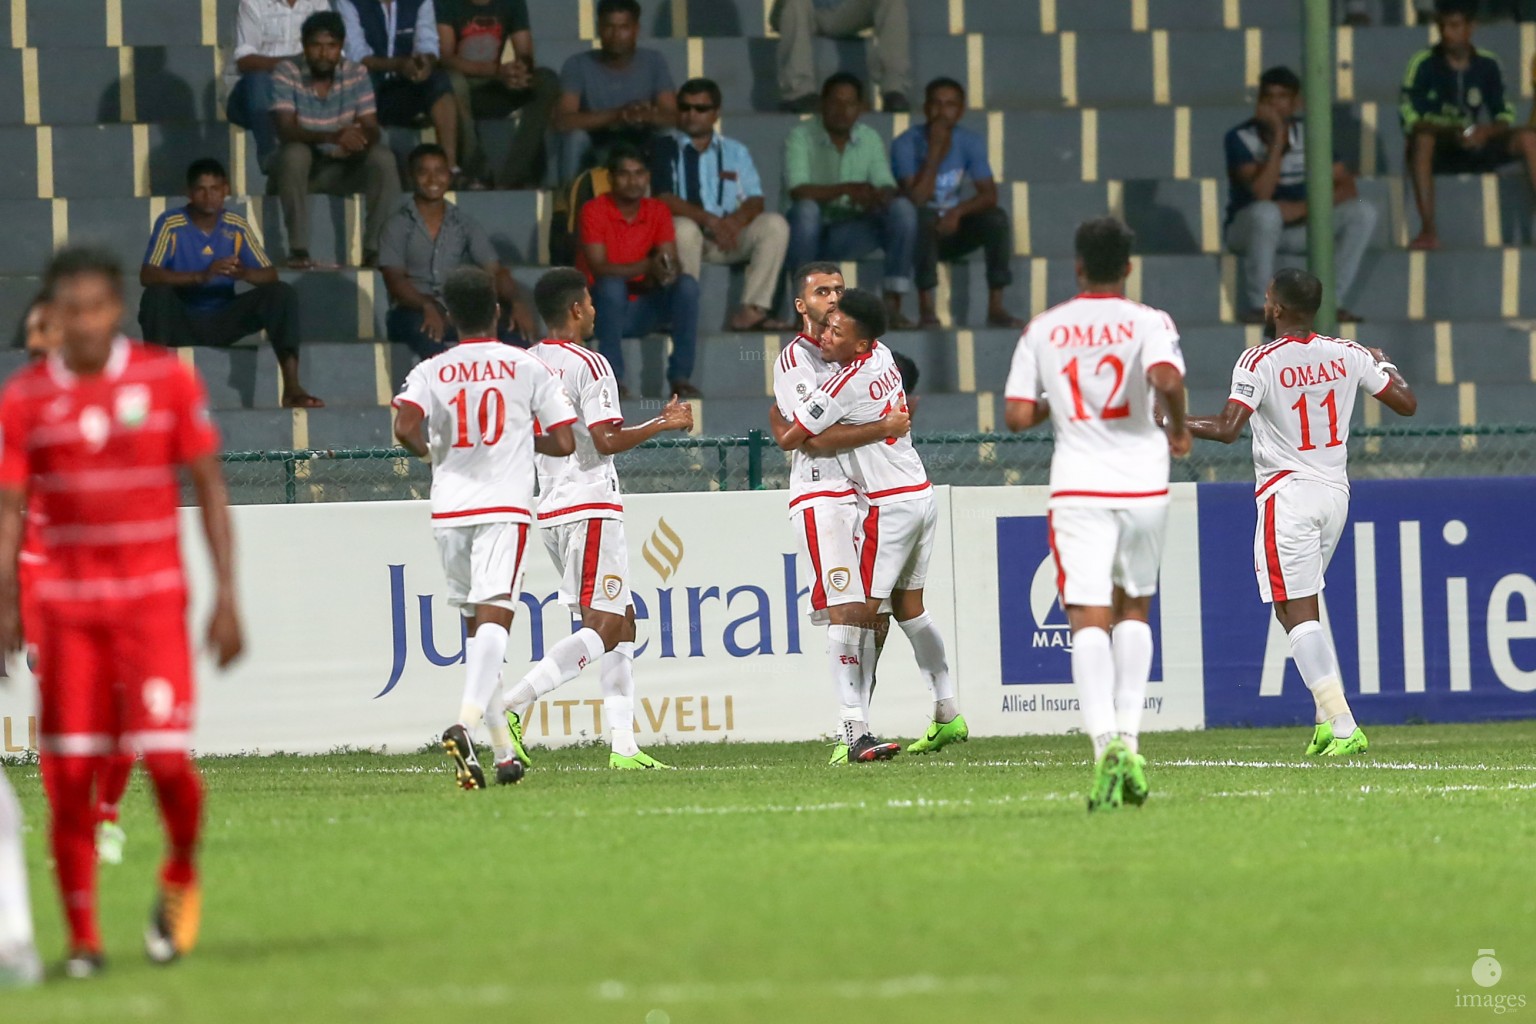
pixel 1317 93
pixel 755 440
pixel 291 478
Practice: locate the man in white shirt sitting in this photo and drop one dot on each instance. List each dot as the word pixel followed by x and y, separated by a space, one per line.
pixel 266 32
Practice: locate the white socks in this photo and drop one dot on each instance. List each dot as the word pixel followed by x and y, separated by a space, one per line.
pixel 1133 664
pixel 563 663
pixel 845 648
pixel 616 670
pixel 1319 666
pixel 928 649
pixel 483 654
pixel 869 658
pixel 15 905
pixel 1093 676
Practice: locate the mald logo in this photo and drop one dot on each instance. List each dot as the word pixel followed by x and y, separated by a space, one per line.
pixel 663 551
pixel 839 578
pixel 613 586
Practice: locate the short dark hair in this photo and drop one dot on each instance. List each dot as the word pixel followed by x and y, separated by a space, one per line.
pixel 207 167
pixel 847 78
pixel 1449 8
pixel 943 83
pixel 82 261
pixel 621 152
pixel 470 295
pixel 866 309
pixel 1104 246
pixel 1282 76
pixel 629 7
pixel 1298 291
pixel 705 85
pixel 556 292
pixel 814 267
pixel 426 149
pixel 323 23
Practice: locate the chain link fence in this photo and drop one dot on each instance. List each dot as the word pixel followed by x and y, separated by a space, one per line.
pixel 755 462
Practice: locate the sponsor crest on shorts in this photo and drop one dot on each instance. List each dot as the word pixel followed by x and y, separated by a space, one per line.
pixel 132 405
pixel 613 586
pixel 839 578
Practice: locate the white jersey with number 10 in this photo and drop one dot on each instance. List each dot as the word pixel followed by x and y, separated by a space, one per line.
pixel 1088 358
pixel 1302 393
pixel 481 400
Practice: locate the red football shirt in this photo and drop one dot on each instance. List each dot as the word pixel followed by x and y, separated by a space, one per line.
pixel 626 241
pixel 98 456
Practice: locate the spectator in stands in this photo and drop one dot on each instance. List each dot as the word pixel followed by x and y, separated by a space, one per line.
pixel 1457 116
pixel 838 177
pixel 798 22
pixel 616 93
pixel 266 32
pixel 423 242
pixel 932 162
pixel 396 40
pixel 1267 201
pixel 711 185
pixel 324 110
pixel 629 252
pixel 196 256
pixel 472 36
pixel 38 332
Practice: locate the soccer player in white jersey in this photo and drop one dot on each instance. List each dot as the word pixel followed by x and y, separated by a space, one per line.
pixel 473 410
pixel 897 531
pixel 1298 393
pixel 19 963
pixel 581 517
pixel 1094 366
pixel 824 504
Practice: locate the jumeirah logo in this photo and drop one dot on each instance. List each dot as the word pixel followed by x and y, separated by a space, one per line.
pixel 663 551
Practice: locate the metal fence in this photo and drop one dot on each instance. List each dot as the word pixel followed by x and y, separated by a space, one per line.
pixel 755 462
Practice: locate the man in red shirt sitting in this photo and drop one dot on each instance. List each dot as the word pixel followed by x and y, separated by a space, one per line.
pixel 629 254
pixel 97 432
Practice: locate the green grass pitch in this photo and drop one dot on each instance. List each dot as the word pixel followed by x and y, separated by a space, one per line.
pixel 758 884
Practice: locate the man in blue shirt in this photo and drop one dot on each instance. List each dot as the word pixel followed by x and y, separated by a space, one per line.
pixel 712 187
pixel 931 162
pixel 196 255
pixel 1267 202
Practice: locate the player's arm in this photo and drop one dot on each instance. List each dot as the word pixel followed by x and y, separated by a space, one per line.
pixel 611 436
pixel 410 418
pixel 1024 413
pixel 1226 426
pixel 1168 381
pixel 840 438
pixel 13 502
pixel 224 634
pixel 558 441
pixel 1397 395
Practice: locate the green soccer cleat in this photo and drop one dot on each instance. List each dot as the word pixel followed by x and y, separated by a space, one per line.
pixel 839 754
pixel 1322 735
pixel 940 736
pixel 639 760
pixel 1135 788
pixel 110 840
pixel 515 726
pixel 1109 778
pixel 1349 746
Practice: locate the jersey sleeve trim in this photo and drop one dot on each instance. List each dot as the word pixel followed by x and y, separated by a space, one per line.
pixel 1029 401
pixel 1384 389
pixel 1164 362
pixel 556 426
pixel 398 402
pixel 1242 403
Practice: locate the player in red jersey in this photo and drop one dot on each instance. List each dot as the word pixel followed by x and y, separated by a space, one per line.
pixel 97 432
pixel 42 339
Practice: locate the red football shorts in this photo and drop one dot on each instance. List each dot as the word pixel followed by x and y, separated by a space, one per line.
pixel 121 685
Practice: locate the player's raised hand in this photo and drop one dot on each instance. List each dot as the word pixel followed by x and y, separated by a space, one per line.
pixel 677 415
pixel 897 422
pixel 1378 355
pixel 225 639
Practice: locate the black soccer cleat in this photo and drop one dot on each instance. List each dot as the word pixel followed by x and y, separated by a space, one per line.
pixel 83 964
pixel 866 748
pixel 466 766
pixel 510 772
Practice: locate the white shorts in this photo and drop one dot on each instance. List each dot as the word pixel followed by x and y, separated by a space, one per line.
pixel 1298 527
pixel 895 543
pixel 1099 549
pixel 484 564
pixel 827 536
pixel 592 557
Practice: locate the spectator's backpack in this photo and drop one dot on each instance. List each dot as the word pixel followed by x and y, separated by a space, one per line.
pixel 565 231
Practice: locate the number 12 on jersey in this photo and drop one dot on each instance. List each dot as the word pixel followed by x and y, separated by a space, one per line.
pixel 1111 411
pixel 1331 404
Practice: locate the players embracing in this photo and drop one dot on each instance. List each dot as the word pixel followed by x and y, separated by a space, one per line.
pixel 1297 393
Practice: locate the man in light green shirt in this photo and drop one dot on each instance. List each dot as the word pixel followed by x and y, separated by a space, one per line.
pixel 844 202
